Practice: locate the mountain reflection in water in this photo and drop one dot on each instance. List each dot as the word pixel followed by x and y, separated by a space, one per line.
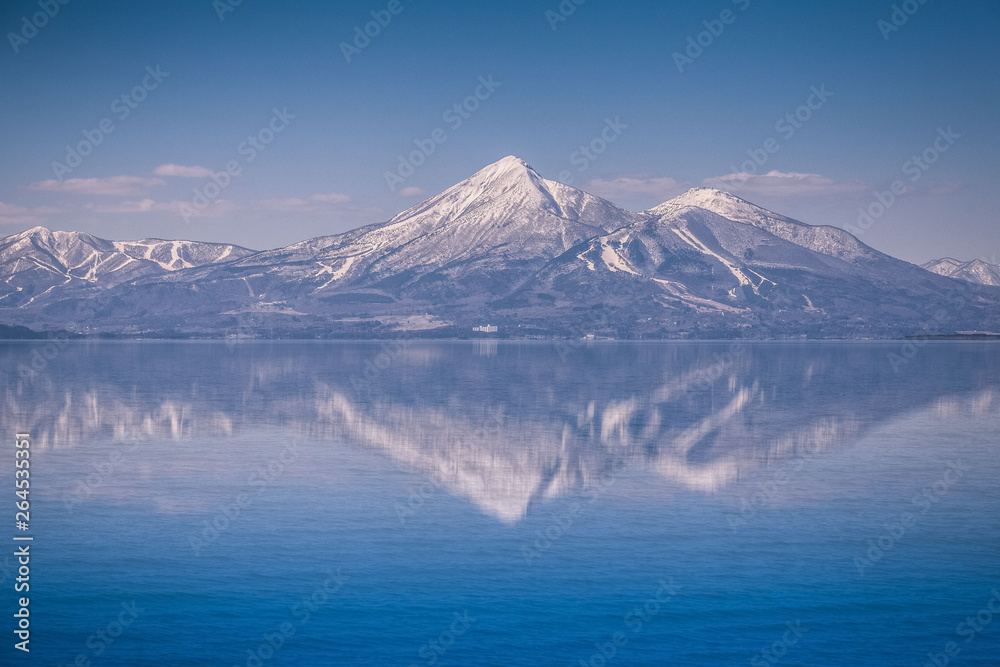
pixel 503 425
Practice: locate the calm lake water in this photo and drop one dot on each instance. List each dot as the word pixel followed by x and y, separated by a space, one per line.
pixel 303 503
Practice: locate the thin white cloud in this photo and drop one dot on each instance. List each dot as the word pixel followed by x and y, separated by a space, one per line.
pixel 945 189
pixel 182 171
pixel 635 185
pixel 12 214
pixel 332 198
pixel 314 203
pixel 216 209
pixel 781 184
pixel 111 185
pixel 412 191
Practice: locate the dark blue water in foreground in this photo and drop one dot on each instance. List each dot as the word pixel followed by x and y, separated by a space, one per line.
pixel 513 504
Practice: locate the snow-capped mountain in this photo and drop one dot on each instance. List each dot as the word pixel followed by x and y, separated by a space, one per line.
pixel 975 271
pixel 823 239
pixel 38 261
pixel 498 219
pixel 507 247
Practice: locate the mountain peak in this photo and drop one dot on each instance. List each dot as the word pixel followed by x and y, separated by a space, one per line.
pixel 509 162
pixel 34 231
pixel 510 177
pixel 506 204
pixel 823 239
pixel 44 235
pixel 712 199
pixel 508 169
pixel 974 271
pixel 725 204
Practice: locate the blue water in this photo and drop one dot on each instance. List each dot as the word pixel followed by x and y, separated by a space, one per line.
pixel 507 504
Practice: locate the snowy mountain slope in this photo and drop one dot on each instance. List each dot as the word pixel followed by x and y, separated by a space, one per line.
pixel 690 269
pixel 480 236
pixel 505 211
pixel 826 240
pixel 508 247
pixel 975 271
pixel 38 261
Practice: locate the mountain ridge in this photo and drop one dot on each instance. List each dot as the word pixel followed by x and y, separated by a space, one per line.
pixel 510 247
pixel 975 271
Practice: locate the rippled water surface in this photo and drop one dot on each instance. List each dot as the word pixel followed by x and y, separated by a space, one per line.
pixel 472 504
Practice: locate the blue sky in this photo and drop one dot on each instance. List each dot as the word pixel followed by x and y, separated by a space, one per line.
pixel 557 81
